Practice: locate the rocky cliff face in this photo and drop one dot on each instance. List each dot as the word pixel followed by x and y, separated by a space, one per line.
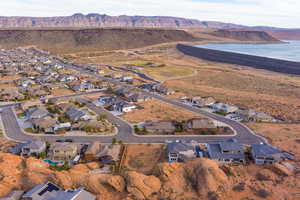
pixel 97 20
pixel 245 35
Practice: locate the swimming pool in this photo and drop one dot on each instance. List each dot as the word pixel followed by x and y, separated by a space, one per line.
pixel 50 162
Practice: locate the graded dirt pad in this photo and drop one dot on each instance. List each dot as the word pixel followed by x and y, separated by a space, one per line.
pixel 285 136
pixel 13 77
pixel 143 158
pixel 61 92
pixel 156 110
pixel 7 85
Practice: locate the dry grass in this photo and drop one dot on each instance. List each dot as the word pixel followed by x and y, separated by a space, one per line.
pixel 158 111
pixel 61 92
pixel 167 72
pixel 143 158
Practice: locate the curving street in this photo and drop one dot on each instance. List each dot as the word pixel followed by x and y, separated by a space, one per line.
pixel 125 131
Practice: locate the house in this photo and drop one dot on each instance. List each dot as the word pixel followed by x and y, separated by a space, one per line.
pixel 162 89
pixel 180 151
pixel 66 78
pixel 127 78
pixel 92 151
pixel 208 101
pixel 37 112
pixel 60 126
pixel 198 123
pixel 28 104
pixel 64 107
pixel 75 115
pixel 14 195
pixel 159 127
pixel 221 107
pixel 246 114
pixel 44 124
pixel 263 117
pixel 195 101
pixel 123 106
pixel 33 147
pixel 254 115
pixel 138 97
pixel 50 191
pixel 266 154
pixel 63 150
pixel 83 87
pixel 107 100
pixel 25 82
pixel 229 151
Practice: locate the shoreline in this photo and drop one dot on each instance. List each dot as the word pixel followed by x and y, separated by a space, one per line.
pixel 257 62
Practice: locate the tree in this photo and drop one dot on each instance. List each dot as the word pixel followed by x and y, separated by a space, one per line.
pixel 102 117
pixel 136 128
pixel 114 141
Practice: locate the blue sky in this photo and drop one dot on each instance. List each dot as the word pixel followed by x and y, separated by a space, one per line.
pixel 282 13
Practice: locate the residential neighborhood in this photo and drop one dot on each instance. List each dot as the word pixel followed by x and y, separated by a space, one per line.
pixel 67 114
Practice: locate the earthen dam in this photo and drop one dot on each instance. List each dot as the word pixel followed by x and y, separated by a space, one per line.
pixel 258 62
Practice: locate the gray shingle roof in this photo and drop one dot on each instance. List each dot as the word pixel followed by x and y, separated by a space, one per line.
pixel 176 147
pixel 264 150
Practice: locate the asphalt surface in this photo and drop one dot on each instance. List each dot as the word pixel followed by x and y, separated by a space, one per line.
pixel 125 130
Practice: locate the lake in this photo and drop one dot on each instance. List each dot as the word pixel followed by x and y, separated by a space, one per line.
pixel 289 51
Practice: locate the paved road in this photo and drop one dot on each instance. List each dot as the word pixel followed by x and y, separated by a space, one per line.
pixel 125 130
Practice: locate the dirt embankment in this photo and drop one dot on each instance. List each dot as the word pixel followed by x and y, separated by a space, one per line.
pixel 78 40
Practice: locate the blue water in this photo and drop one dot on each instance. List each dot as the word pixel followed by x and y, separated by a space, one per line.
pixel 289 51
pixel 51 162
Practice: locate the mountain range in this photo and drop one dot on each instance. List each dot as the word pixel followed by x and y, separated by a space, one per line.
pixel 99 20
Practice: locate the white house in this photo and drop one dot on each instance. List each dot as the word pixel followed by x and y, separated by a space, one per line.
pixel 222 107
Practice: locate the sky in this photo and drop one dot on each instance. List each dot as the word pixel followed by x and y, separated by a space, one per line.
pixel 279 13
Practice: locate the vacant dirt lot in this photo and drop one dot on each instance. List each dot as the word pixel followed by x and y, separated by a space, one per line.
pixel 143 157
pixel 158 111
pixel 4 78
pixel 61 92
pixel 7 85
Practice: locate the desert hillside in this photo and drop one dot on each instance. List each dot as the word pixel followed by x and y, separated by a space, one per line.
pixel 76 40
pixel 197 179
pixel 256 36
pixel 73 40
